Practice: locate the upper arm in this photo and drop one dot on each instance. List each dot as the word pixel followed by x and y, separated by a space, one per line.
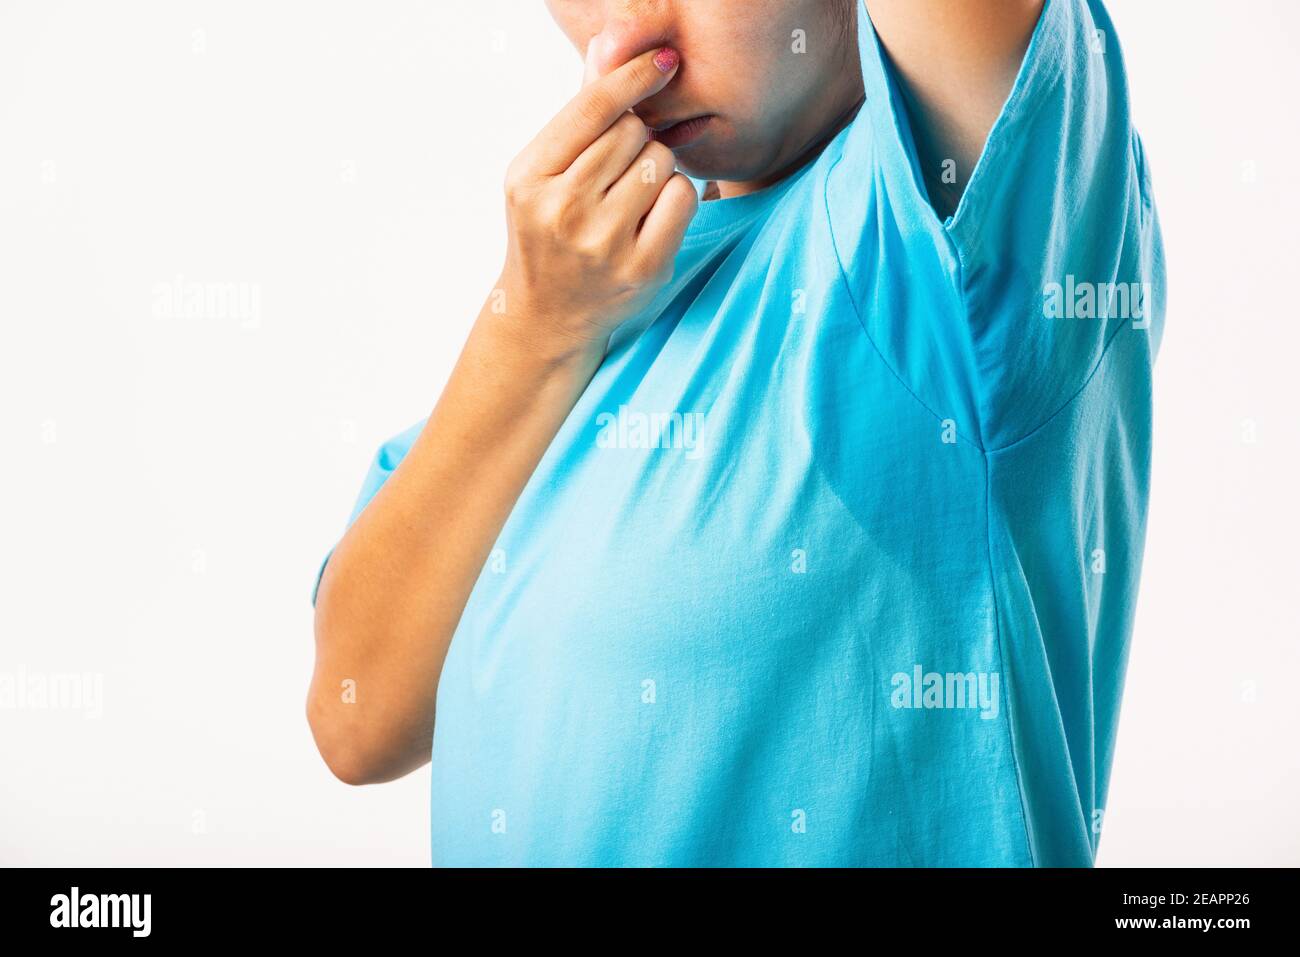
pixel 963 307
pixel 957 60
pixel 384 463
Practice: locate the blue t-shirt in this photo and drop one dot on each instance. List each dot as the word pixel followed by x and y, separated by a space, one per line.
pixel 835 560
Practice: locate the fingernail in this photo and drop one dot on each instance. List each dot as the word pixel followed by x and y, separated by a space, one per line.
pixel 666 60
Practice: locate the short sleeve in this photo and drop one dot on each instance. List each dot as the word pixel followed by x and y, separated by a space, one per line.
pixel 384 463
pixel 998 316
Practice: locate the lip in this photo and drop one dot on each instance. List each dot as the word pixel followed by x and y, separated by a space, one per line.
pixel 675 135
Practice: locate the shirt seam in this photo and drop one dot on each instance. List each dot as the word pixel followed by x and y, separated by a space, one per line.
pixel 1002 661
pixel 857 311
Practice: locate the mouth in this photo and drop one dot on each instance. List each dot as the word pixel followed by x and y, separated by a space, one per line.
pixel 674 135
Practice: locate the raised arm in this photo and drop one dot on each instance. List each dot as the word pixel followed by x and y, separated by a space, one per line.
pixel 957 60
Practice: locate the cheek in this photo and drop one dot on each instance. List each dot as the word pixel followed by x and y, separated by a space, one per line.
pixel 766 69
pixel 765 111
pixel 762 94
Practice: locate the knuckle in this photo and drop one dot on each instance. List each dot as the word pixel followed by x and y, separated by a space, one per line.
pixel 656 166
pixel 516 179
pixel 552 212
pixel 597 105
pixel 629 125
pixel 662 157
pixel 679 192
pixel 562 215
pixel 646 75
pixel 682 183
pixel 596 246
pixel 661 152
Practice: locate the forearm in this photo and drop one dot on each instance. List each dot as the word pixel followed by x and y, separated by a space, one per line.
pixel 397 583
pixel 591 241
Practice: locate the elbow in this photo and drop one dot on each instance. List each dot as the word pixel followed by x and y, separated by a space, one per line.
pixel 331 715
pixel 348 767
pixel 339 745
pixel 370 744
pixel 349 773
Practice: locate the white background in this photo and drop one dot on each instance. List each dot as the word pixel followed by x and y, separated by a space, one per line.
pixel 170 485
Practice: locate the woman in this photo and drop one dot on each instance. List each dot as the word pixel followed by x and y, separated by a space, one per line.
pixel 786 504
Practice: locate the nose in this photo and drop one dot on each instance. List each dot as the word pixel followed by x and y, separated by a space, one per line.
pixel 631 28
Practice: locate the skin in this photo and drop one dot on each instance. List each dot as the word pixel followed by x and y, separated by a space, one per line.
pixel 595 216
pixel 773 108
pixel 957 60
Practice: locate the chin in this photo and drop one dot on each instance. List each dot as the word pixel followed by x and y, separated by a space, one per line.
pixel 721 155
pixel 709 162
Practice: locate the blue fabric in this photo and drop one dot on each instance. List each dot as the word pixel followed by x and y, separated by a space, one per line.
pixel 835 561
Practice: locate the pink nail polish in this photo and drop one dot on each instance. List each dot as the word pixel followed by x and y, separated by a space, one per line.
pixel 666 60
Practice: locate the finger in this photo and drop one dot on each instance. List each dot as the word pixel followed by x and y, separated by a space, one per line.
pixel 643 181
pixel 665 225
pixel 598 106
pixel 604 161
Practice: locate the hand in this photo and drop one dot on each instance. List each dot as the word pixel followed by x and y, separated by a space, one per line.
pixel 596 212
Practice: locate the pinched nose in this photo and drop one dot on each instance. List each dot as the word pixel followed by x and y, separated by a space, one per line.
pixel 626 37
